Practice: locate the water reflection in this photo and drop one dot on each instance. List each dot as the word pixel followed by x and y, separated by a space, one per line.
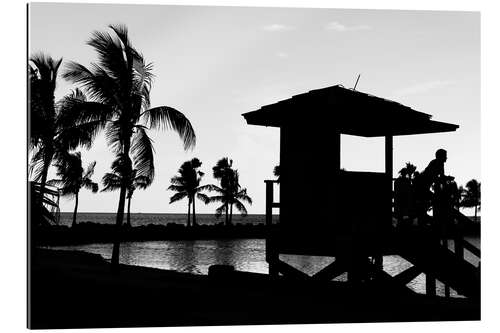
pixel 196 256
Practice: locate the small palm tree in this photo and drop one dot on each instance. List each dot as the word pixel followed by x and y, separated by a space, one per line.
pixel 73 178
pixel 223 172
pixel 229 194
pixel 112 181
pixel 277 172
pixel 471 196
pixel 187 185
pixel 408 171
pixel 119 86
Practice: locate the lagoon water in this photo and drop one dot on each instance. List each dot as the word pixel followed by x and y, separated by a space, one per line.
pixel 195 256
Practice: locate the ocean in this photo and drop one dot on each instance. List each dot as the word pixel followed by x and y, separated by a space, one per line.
pixel 138 219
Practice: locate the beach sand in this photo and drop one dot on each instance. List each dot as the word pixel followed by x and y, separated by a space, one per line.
pixel 71 289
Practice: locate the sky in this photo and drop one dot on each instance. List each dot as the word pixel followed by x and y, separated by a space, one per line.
pixel 216 63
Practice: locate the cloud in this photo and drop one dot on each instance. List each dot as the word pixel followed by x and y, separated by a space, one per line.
pixel 277 27
pixel 421 88
pixel 336 26
pixel 282 55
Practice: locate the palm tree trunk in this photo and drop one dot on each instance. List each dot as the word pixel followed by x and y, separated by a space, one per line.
pixel 189 213
pixel 115 256
pixel 45 170
pixel 194 213
pixel 231 214
pixel 227 215
pixel 74 212
pixel 128 211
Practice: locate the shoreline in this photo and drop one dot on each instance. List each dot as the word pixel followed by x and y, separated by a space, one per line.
pixel 90 232
pixel 73 289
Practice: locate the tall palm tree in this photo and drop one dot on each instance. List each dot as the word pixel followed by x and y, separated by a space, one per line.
pixel 229 194
pixel 119 86
pixel 73 178
pixel 471 196
pixel 187 185
pixel 112 181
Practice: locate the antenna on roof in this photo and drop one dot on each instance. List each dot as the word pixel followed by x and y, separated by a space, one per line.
pixel 356 84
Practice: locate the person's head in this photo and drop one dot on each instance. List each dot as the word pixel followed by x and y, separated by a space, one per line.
pixel 441 155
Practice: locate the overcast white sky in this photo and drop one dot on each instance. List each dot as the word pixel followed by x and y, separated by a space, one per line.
pixel 215 63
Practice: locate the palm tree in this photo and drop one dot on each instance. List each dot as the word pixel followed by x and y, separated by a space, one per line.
pixel 112 181
pixel 187 185
pixel 229 193
pixel 277 172
pixel 471 196
pixel 51 127
pixel 408 171
pixel 119 86
pixel 223 172
pixel 43 114
pixel 73 178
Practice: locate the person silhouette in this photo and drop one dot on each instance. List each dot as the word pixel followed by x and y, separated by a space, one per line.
pixel 432 177
pixel 434 172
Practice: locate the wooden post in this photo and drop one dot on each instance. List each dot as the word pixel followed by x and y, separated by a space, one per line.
pixel 459 247
pixel 446 291
pixel 389 169
pixel 430 284
pixel 271 257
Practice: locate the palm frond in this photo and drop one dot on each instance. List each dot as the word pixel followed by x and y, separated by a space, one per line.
pixel 242 195
pixel 142 152
pixel 142 182
pixel 111 182
pixel 220 210
pixel 177 188
pixel 217 198
pixel 98 85
pixel 165 117
pixel 113 134
pixel 178 181
pixel 81 135
pixel 203 197
pixel 178 196
pixel 74 112
pixel 90 170
pixel 239 206
pixel 36 164
pixel 55 182
pixel 111 56
pixel 90 185
pixel 211 188
pixel 47 68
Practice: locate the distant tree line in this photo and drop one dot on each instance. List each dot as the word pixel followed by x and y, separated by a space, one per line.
pixel 229 192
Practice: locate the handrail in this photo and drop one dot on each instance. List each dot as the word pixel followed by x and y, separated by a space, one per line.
pixel 471 248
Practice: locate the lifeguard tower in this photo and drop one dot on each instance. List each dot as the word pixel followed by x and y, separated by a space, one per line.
pixel 348 215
